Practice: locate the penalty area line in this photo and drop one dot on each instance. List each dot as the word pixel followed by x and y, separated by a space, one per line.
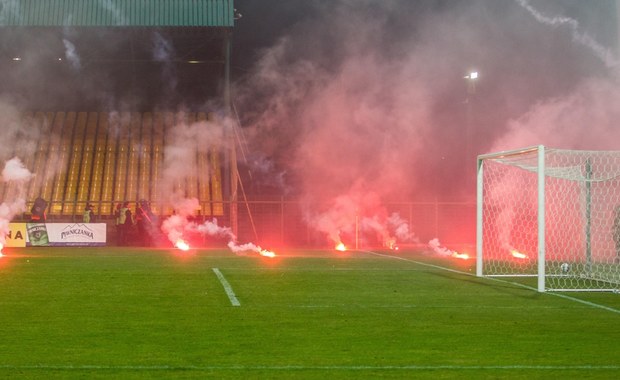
pixel 590 304
pixel 227 288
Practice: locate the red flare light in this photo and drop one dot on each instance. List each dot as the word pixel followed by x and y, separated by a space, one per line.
pixel 341 247
pixel 462 256
pixel 390 244
pixel 266 253
pixel 182 245
pixel 518 255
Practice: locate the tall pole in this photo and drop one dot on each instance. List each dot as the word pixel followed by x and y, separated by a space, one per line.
pixel 541 218
pixel 231 171
pixel 479 216
pixel 618 30
pixel 588 216
pixel 471 78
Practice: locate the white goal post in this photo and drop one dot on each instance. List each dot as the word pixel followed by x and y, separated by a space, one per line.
pixel 550 213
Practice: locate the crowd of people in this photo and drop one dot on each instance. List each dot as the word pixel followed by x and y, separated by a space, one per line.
pixel 139 228
pixel 135 229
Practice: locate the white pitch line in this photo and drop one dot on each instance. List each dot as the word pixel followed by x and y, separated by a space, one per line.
pixel 227 288
pixel 406 367
pixel 591 304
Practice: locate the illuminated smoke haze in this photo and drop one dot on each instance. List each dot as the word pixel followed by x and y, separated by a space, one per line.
pixel 369 98
pixel 351 105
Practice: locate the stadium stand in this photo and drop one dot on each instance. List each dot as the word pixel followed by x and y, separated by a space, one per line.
pixel 78 147
pixel 105 158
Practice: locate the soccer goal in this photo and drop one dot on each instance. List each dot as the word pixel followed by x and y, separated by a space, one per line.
pixel 550 213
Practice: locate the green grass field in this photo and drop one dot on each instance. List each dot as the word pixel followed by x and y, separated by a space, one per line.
pixel 137 313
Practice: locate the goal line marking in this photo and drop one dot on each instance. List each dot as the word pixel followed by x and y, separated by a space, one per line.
pixel 227 288
pixel 591 304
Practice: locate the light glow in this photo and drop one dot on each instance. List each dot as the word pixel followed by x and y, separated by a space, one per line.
pixel 182 245
pixel 341 247
pixel 266 253
pixel 462 256
pixel 517 254
pixel 390 243
pixel 445 252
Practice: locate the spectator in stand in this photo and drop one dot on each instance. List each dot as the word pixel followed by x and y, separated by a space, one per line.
pixel 38 214
pixel 117 216
pixel 125 224
pixel 145 221
pixel 88 215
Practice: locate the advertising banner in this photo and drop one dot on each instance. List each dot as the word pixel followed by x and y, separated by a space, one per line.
pixel 17 235
pixel 64 234
pixel 37 234
pixel 84 234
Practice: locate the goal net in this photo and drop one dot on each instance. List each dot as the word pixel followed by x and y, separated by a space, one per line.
pixel 553 214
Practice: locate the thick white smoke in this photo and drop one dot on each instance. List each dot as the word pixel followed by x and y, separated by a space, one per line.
pixel 442 251
pixel 14 170
pixel 183 141
pixel 180 225
pixel 13 174
pixel 577 33
pixel 71 54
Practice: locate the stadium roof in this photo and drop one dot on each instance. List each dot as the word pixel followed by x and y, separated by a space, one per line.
pixel 117 13
pixel 96 54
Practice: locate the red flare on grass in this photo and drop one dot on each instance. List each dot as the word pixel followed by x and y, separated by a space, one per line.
pixel 182 245
pixel 266 253
pixel 462 256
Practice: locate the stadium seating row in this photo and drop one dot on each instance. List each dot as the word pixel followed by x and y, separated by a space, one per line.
pixel 106 157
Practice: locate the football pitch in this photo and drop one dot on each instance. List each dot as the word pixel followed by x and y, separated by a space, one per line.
pixel 137 313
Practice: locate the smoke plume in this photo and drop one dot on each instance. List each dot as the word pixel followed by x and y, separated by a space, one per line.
pixel 178 226
pixel 14 174
pixel 370 99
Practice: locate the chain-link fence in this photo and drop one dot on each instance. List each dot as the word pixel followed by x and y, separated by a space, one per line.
pixel 282 221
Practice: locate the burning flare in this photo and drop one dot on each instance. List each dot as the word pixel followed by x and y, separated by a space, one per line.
pixel 462 256
pixel 390 243
pixel 518 255
pixel 179 225
pixel 340 247
pixel 443 251
pixel 182 245
pixel 266 253
pixel 236 248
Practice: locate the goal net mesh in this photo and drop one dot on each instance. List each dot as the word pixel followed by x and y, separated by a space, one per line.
pixel 581 206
